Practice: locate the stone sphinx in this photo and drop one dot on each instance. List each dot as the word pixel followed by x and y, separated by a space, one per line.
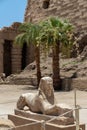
pixel 44 100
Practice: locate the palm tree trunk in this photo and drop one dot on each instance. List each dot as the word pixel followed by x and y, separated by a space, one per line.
pixel 37 58
pixel 56 69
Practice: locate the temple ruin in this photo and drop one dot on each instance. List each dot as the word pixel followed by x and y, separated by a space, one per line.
pixel 75 11
pixel 13 58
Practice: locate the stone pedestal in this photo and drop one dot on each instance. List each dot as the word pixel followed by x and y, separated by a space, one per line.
pixel 28 121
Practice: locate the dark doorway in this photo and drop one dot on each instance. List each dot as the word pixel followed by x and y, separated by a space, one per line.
pixel 7 57
pixel 24 56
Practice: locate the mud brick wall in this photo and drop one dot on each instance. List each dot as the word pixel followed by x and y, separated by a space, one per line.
pixel 73 10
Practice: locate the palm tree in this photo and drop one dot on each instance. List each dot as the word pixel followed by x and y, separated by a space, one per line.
pixel 55 32
pixel 29 33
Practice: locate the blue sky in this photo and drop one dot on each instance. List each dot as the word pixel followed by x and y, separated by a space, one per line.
pixel 11 11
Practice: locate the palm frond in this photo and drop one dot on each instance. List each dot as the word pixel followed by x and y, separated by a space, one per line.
pixel 55 30
pixel 20 39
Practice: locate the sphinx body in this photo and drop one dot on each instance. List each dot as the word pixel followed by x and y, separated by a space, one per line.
pixel 43 101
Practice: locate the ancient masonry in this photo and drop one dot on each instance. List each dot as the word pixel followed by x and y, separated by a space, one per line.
pixel 73 10
pixel 13 58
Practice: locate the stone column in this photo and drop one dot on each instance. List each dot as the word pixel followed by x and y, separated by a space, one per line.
pixel 1 55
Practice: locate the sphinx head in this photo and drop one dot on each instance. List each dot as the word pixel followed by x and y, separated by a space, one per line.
pixel 46 87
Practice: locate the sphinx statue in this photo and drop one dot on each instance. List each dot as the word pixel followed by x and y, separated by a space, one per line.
pixel 44 100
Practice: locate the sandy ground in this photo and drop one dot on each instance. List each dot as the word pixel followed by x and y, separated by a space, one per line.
pixel 9 95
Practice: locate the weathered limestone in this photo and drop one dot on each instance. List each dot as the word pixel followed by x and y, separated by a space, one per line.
pixel 44 101
pixel 46 89
pixel 13 58
pixel 74 11
pixel 25 121
pixel 7 36
pixel 5 124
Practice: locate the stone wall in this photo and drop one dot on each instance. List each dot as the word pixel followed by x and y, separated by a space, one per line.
pixel 8 34
pixel 1 56
pixel 16 56
pixel 73 10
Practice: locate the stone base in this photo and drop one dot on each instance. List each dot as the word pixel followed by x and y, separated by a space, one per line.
pixel 28 121
pixel 59 121
pixel 63 121
pixel 5 124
